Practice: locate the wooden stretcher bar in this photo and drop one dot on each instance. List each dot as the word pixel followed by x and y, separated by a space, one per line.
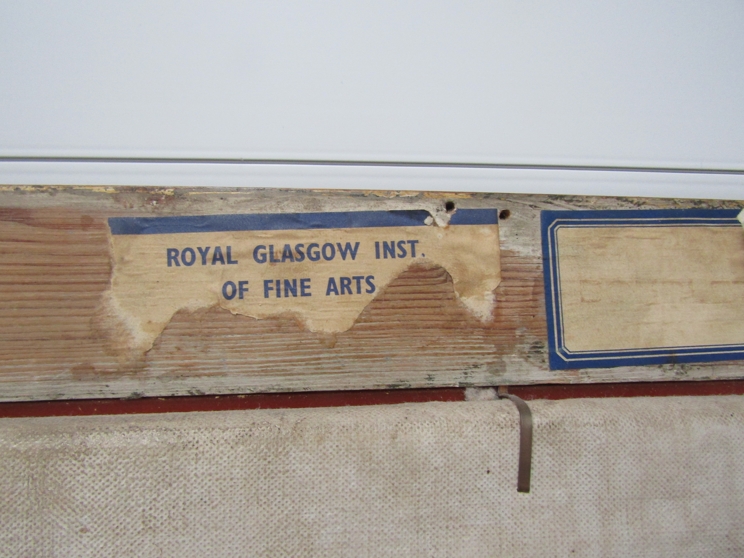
pixel 70 294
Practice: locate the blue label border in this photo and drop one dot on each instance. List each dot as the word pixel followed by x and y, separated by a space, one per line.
pixel 559 357
pixel 293 221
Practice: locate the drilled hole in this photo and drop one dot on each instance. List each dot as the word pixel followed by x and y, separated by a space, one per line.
pixel 504 214
pixel 449 206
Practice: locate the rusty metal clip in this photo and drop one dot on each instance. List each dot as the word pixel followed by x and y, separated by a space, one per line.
pixel 525 439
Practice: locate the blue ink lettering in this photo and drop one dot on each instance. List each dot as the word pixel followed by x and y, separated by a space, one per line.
pixel 345 285
pixel 217 256
pixel 203 253
pixel 370 284
pixel 388 249
pixel 259 254
pixel 242 289
pixel 172 254
pixel 230 261
pixel 313 252
pixel 287 255
pixel 192 256
pixel 272 259
pixel 290 287
pixel 268 287
pixel 346 250
pixel 358 279
pixel 329 254
pixel 229 290
pixel 332 288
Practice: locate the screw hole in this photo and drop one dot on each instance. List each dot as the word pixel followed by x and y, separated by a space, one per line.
pixel 504 214
pixel 449 206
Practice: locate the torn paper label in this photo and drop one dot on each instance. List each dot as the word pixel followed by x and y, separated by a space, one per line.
pixel 323 268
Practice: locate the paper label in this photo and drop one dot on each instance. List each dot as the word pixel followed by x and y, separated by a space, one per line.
pixel 323 268
pixel 643 287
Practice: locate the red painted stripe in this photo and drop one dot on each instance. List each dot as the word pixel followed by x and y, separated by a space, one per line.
pixel 352 398
pixel 226 402
pixel 636 389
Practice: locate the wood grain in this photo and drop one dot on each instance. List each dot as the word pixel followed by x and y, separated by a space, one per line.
pixel 55 265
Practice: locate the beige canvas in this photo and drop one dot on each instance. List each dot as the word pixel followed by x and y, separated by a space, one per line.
pixel 611 477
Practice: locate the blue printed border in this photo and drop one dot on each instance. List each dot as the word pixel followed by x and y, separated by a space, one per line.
pixel 560 357
pixel 293 221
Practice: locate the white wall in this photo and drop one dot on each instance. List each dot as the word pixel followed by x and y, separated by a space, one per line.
pixel 580 84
